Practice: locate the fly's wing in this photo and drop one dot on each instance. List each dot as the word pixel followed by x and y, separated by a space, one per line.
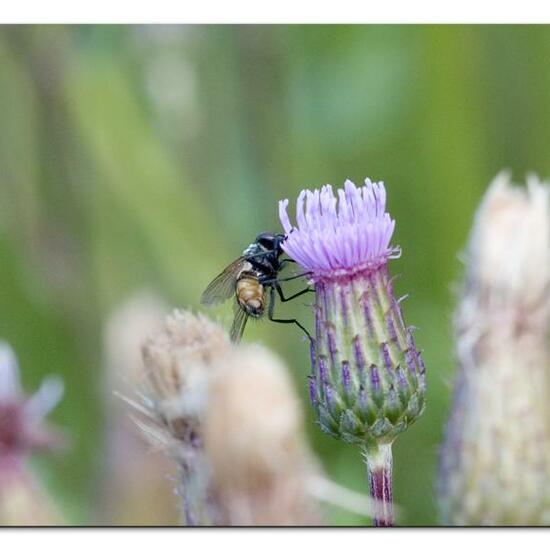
pixel 239 322
pixel 223 286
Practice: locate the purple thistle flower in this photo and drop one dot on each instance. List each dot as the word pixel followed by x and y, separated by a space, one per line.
pixel 365 365
pixel 22 428
pixel 340 236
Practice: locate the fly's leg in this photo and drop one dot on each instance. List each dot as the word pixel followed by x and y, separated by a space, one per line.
pixel 299 293
pixel 283 299
pixel 276 281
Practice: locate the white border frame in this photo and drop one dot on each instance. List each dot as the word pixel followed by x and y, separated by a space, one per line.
pixel 280 11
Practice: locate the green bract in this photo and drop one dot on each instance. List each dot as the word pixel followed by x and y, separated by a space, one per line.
pixel 368 379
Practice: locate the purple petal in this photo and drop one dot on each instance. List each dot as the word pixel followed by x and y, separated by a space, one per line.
pixel 10 385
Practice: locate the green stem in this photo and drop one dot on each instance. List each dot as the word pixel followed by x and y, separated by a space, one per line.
pixel 378 458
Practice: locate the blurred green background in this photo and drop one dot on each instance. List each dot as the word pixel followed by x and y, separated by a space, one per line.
pixel 139 157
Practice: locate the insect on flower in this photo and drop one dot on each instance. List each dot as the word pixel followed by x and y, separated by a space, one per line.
pixel 249 278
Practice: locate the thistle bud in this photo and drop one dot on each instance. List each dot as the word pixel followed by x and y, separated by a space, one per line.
pixel 495 461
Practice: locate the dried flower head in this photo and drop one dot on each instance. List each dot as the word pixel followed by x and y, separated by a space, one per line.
pixel 232 423
pixel 495 461
pixel 255 445
pixel 178 362
pixel 367 381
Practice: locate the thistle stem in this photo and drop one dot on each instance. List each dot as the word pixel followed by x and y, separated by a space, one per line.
pixel 187 508
pixel 378 458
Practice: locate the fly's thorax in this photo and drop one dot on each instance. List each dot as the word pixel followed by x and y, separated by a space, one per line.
pixel 250 293
pixel 263 259
pixel 253 249
pixel 368 380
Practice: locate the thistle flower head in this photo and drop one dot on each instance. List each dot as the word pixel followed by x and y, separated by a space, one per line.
pixel 339 235
pixel 22 427
pixel 228 417
pixel 254 443
pixel 23 431
pixel 178 362
pixel 495 460
pixel 367 382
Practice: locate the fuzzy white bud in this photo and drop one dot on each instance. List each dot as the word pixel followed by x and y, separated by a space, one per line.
pixel 255 444
pixel 495 462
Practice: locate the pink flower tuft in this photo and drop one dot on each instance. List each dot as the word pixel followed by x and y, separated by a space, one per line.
pixel 339 236
pixel 22 426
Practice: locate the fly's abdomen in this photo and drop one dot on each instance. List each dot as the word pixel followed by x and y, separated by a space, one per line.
pixel 250 295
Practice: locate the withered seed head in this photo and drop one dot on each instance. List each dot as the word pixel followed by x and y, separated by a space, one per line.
pixel 255 444
pixel 178 361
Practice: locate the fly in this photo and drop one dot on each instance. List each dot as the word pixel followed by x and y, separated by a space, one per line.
pixel 250 278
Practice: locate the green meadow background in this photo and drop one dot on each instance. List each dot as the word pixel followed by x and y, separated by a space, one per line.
pixel 137 157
